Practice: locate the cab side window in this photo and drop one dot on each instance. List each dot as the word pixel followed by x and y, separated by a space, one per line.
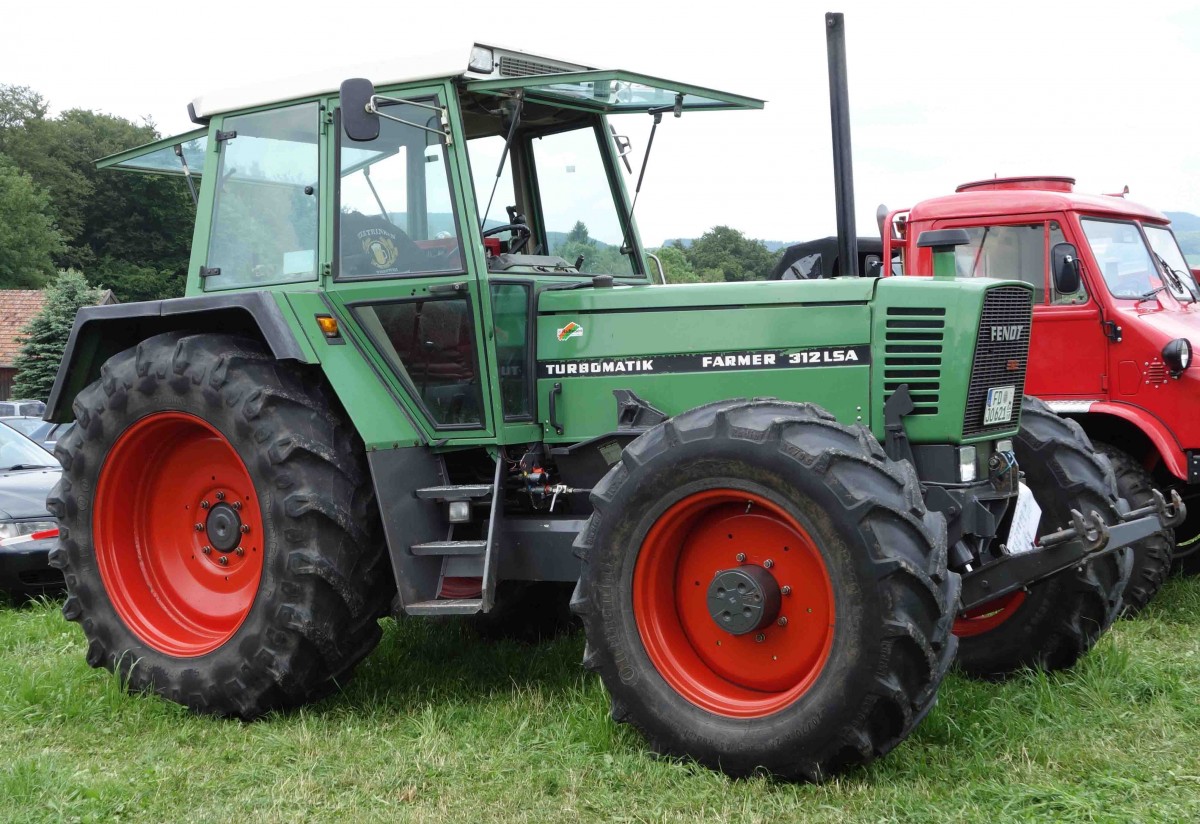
pixel 1013 252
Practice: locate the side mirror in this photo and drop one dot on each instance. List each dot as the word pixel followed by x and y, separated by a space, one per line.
pixel 873 267
pixel 360 124
pixel 1064 267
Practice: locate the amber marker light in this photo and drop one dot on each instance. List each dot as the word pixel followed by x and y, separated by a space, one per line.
pixel 329 326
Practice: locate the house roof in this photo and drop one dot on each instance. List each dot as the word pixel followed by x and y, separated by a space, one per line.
pixel 17 306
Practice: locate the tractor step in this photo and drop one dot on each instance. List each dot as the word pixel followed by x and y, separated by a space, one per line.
pixel 446 606
pixel 450 548
pixel 465 492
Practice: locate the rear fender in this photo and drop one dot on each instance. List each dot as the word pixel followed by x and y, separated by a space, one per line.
pixel 102 331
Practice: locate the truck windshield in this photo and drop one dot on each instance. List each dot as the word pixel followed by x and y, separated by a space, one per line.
pixel 1128 269
pixel 1162 241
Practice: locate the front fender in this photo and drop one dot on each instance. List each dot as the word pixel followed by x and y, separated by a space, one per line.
pixel 1159 433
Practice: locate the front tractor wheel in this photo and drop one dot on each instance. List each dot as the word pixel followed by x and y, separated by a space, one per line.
pixel 763 590
pixel 1053 622
pixel 218 528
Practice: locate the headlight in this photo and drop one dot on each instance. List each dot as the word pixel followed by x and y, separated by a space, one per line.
pixel 966 464
pixel 1177 355
pixel 12 529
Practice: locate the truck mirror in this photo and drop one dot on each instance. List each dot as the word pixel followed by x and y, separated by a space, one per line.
pixel 1064 265
pixel 361 124
pixel 873 267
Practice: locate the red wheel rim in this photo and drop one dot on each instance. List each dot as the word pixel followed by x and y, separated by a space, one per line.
pixel 171 487
pixel 989 616
pixel 743 676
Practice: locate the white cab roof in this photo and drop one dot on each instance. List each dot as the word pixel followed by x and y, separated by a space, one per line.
pixel 410 68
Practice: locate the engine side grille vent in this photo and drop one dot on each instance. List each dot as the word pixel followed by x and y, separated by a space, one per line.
pixel 1156 372
pixel 1001 355
pixel 522 67
pixel 912 354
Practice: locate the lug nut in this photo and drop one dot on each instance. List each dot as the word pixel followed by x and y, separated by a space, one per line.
pixel 239 552
pixel 760 638
pixel 220 496
pixel 768 563
pixel 206 549
pixel 741 556
pixel 237 504
pixel 782 621
pixel 205 504
pixel 223 560
pixel 199 527
pixel 786 590
pixel 245 528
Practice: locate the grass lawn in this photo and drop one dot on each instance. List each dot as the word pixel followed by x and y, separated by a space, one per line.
pixel 440 726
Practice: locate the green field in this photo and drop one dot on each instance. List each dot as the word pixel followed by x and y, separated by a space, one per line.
pixel 441 726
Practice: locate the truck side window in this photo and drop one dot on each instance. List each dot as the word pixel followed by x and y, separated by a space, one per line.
pixel 510 315
pixel 1014 252
pixel 1064 298
pixel 264 221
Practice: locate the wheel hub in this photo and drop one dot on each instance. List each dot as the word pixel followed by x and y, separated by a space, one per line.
pixel 224 527
pixel 743 599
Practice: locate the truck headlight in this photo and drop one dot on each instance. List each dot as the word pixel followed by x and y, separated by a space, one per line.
pixel 1177 355
pixel 966 464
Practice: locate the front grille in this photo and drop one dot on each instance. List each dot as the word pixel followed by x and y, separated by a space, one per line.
pixel 912 354
pixel 1001 355
pixel 522 67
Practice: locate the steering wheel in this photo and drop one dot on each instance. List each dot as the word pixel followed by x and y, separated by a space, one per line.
pixel 523 233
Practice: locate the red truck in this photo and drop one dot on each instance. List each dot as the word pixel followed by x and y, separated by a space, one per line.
pixel 1115 319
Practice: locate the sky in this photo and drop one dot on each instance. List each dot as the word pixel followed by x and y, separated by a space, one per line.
pixel 940 92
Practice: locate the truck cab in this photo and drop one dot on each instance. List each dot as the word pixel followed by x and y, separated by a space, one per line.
pixel 1116 309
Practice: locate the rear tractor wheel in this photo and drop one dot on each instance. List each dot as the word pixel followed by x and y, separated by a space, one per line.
pixel 762 589
pixel 1052 623
pixel 218 528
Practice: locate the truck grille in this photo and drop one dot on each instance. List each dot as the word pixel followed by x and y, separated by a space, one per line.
pixel 912 354
pixel 1001 355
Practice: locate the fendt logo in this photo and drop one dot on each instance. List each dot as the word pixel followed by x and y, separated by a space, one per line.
pixel 1007 332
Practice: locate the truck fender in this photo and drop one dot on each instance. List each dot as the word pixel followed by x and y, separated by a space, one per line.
pixel 102 331
pixel 1155 430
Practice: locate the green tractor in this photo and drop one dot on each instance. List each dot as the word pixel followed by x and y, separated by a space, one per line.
pixel 374 398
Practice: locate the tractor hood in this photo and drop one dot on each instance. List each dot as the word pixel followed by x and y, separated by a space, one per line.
pixel 714 295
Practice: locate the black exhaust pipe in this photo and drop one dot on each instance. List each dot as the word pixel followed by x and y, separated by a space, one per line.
pixel 843 167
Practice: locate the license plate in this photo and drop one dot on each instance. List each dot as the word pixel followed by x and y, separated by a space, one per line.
pixel 999 405
pixel 1026 517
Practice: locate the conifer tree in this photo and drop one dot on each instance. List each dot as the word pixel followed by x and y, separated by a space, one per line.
pixel 45 336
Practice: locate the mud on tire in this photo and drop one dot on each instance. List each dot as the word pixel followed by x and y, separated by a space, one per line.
pixel 887 633
pixel 290 636
pixel 1056 620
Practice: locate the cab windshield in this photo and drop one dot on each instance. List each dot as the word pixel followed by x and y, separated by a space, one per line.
pixel 1130 268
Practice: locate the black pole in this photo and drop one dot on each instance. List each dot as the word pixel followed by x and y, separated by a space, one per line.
pixel 843 167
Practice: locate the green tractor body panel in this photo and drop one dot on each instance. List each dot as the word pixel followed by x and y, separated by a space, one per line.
pixel 843 344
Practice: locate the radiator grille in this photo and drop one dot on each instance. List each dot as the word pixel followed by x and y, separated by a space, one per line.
pixel 1001 355
pixel 522 67
pixel 912 354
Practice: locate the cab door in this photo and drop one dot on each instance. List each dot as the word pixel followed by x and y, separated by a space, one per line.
pixel 404 272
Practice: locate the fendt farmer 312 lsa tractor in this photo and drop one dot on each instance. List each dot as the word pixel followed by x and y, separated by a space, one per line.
pixel 369 394
pixel 1116 315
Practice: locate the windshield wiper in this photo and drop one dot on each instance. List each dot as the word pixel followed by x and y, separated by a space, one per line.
pixel 1147 295
pixel 1176 278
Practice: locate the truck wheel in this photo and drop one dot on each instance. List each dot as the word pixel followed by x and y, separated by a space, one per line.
pixel 218 530
pixel 1152 556
pixel 1053 622
pixel 762 589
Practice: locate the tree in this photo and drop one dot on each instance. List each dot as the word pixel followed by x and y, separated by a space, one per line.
pixel 678 269
pixel 729 252
pixel 45 336
pixel 107 218
pixel 28 237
